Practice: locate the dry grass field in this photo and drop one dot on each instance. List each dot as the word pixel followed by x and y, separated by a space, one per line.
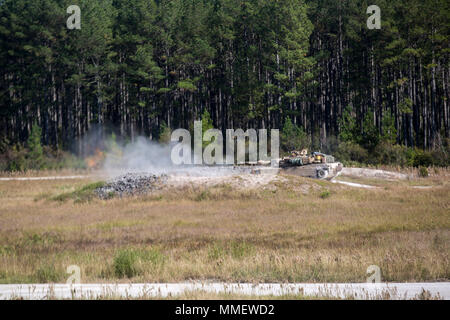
pixel 293 230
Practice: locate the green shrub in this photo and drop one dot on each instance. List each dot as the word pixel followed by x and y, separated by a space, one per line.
pixel 370 136
pixel 325 194
pixel 128 262
pixel 164 133
pixel 387 153
pixel 56 160
pixel 16 159
pixel 348 127
pixel 423 159
pixel 125 264
pixel 47 273
pixel 35 151
pixel 293 137
pixel 441 157
pixel 83 194
pixel 423 172
pixel 350 151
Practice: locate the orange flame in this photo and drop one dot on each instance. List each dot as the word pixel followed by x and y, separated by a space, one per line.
pixel 94 161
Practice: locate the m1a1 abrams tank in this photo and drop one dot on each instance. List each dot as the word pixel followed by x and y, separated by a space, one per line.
pixel 315 165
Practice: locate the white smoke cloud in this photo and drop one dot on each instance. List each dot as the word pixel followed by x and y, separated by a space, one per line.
pixel 147 156
pixel 142 155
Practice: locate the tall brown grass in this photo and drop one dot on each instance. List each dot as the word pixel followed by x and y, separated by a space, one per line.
pixel 287 233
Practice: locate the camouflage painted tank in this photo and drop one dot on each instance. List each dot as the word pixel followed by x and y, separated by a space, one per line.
pixel 315 165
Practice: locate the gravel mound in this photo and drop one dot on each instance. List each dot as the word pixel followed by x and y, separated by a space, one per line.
pixel 132 184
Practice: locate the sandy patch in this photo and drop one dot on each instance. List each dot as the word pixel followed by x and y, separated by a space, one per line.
pixel 250 178
pixel 373 173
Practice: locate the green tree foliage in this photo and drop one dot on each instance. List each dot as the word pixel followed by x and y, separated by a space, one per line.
pixel 207 124
pixel 35 154
pixel 293 137
pixel 370 135
pixel 350 151
pixel 164 134
pixel 139 64
pixel 348 128
pixel 389 132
